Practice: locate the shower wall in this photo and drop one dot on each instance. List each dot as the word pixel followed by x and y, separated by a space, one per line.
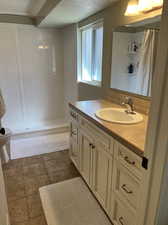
pixel 31 76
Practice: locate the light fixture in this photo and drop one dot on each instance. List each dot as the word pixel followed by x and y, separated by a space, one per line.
pixel 142 6
pixel 132 8
pixel 157 3
pixel 149 5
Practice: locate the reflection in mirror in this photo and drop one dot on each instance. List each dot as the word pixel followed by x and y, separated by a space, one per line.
pixel 133 56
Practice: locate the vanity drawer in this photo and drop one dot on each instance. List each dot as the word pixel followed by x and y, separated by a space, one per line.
pixel 128 158
pixel 126 185
pixel 104 138
pixel 122 214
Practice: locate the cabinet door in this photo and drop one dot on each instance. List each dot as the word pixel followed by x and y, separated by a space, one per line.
pixel 86 155
pixel 74 146
pixel 102 163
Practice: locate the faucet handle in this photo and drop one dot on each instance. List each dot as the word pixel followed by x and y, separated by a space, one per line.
pixel 128 102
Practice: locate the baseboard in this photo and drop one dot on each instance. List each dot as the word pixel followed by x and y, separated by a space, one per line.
pixel 41 132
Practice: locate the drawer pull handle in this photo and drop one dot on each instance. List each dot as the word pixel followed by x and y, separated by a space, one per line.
pixel 121 219
pixel 129 161
pixel 124 187
pixel 73 133
pixel 74 115
pixel 91 145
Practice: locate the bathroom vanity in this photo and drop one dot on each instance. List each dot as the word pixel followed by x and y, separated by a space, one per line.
pixel 109 158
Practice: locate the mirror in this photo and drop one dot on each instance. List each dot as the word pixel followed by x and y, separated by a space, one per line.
pixel 133 56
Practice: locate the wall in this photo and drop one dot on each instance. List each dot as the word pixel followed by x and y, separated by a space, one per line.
pixel 113 17
pixel 70 66
pixel 32 79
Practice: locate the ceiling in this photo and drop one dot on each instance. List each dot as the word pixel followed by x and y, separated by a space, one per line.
pixel 72 11
pixel 21 7
pixel 54 13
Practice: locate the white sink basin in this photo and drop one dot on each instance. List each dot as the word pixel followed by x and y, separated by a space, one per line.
pixel 118 115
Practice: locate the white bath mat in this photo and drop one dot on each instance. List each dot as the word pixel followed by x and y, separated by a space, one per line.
pixel 27 147
pixel 71 203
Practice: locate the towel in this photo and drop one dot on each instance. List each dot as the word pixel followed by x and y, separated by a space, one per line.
pixel 2 106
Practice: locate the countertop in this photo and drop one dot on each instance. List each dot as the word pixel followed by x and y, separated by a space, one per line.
pixel 132 136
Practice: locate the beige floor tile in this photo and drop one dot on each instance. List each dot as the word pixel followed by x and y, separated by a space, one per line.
pixel 62 175
pixel 24 177
pixel 18 211
pixel 22 223
pixel 55 165
pixel 61 155
pixel 34 170
pixel 43 180
pixel 33 160
pixel 65 152
pixel 38 221
pixel 13 172
pixel 16 163
pixel 15 188
pixel 32 184
pixel 34 206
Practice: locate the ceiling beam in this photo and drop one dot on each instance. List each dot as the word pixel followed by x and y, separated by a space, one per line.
pixel 18 19
pixel 46 9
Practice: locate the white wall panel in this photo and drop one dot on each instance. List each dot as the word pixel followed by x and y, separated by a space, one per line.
pixel 42 71
pixel 32 78
pixel 9 75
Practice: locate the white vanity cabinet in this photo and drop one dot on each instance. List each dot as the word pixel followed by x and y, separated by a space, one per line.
pixel 86 156
pixel 126 181
pixel 74 139
pixel 96 160
pixel 102 172
pixel 112 171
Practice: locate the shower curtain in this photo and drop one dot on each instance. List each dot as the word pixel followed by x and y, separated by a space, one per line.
pixel 146 63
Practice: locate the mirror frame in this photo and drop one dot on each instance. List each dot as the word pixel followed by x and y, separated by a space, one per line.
pixel 131 94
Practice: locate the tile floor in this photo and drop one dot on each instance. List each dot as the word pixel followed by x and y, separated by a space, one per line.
pixel 23 177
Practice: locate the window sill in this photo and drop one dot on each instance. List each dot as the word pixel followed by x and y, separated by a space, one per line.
pixel 92 83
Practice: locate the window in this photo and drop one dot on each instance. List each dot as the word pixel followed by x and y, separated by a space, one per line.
pixel 91 46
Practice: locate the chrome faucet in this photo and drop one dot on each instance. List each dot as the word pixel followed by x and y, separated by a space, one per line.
pixel 128 102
